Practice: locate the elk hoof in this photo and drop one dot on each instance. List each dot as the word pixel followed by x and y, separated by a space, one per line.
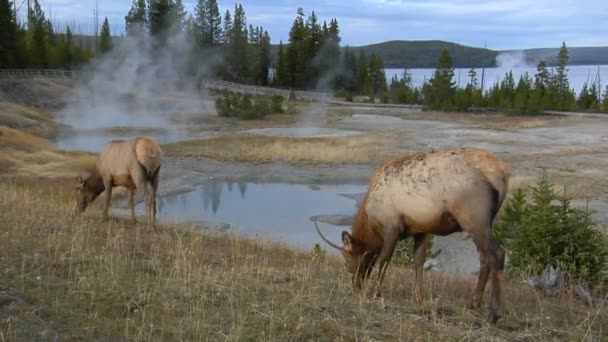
pixel 493 317
pixel 473 304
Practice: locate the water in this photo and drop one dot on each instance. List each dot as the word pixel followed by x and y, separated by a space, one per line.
pixel 577 75
pixel 96 142
pixel 302 132
pixel 278 212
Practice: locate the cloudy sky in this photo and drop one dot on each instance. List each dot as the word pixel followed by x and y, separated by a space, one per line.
pixel 499 24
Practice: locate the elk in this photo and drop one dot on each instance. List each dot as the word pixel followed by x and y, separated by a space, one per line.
pixel 133 164
pixel 439 193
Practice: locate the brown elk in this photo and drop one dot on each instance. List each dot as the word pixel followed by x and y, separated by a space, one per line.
pixel 439 192
pixel 133 164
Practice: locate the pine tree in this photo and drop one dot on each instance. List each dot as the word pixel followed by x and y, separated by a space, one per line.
pixel 282 77
pixel 8 35
pixel 377 75
pixel 105 38
pixel 38 49
pixel 263 59
pixel 177 15
pixel 136 21
pixel 208 23
pixel 363 73
pixel 296 51
pixel 237 48
pixel 561 93
pixel 227 27
pixel 440 92
pixel 159 17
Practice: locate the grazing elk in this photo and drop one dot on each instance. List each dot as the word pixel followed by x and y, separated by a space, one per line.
pixel 438 193
pixel 134 164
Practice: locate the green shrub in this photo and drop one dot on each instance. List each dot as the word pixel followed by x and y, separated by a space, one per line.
pixel 246 107
pixel 276 105
pixel 404 254
pixel 548 231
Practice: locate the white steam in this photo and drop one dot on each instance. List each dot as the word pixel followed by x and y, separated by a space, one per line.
pixel 141 83
pixel 512 59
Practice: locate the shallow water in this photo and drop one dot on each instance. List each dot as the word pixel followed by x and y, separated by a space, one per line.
pixel 278 212
pixel 302 132
pixel 96 142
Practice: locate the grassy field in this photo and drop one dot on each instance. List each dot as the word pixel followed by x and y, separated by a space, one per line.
pixel 356 149
pixel 75 278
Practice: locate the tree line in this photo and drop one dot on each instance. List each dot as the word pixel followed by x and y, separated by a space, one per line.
pixel 529 95
pixel 37 44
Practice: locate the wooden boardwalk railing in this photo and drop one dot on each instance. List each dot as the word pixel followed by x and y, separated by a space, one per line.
pixel 214 85
pixel 43 73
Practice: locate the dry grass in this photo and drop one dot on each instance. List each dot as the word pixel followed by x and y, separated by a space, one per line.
pixel 489 121
pixel 29 156
pixel 357 149
pixel 29 119
pixel 78 279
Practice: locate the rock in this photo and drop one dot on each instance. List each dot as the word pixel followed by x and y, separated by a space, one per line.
pixel 552 278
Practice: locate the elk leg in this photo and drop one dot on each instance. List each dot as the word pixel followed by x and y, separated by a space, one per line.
pixel 388 247
pixel 482 280
pixel 497 263
pixel 420 247
pixel 107 197
pixel 140 180
pixel 131 205
pixel 153 185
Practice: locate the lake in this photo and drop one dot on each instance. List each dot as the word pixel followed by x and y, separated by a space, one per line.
pixel 577 75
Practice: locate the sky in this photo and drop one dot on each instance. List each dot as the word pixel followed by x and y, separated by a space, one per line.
pixel 514 24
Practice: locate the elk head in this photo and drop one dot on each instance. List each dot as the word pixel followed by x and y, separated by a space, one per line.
pixel 83 195
pixel 358 260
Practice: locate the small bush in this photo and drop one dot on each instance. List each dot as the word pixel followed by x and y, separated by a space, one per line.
pixel 548 231
pixel 276 105
pixel 246 107
pixel 404 254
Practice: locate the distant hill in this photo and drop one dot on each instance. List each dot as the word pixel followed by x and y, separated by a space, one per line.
pixel 425 53
pixel 578 55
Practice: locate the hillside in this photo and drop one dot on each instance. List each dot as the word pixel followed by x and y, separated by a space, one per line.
pixel 424 54
pixel 578 55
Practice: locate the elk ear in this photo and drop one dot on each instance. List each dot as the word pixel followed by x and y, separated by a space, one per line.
pixel 347 240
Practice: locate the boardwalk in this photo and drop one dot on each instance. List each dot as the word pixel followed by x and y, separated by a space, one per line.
pixel 214 85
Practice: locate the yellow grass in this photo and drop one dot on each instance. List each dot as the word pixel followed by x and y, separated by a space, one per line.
pixel 71 278
pixel 357 149
pixel 29 156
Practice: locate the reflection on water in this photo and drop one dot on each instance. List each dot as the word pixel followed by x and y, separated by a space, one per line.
pixel 274 211
pixel 96 142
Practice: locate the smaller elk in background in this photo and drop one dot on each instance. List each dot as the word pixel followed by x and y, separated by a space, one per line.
pixel 134 164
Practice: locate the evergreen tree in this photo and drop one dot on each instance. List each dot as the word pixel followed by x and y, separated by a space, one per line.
pixel 8 35
pixel 105 38
pixel 227 27
pixel 136 21
pixel 208 22
pixel 38 49
pixel 281 71
pixel 177 15
pixel 439 94
pixel 237 48
pixel 377 75
pixel 296 51
pixel 363 73
pixel 158 16
pixel 561 93
pixel 263 59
